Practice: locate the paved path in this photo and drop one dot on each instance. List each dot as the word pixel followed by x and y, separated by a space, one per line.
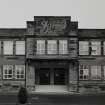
pixel 56 99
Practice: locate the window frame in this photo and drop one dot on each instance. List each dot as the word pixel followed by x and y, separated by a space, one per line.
pixel 103 50
pixel 103 72
pixel 16 47
pixel 39 49
pixel 0 47
pixel 83 74
pixel 7 66
pixel 96 77
pixel 62 52
pixel 99 47
pixel 52 51
pixel 85 51
pixel 11 48
pixel 20 70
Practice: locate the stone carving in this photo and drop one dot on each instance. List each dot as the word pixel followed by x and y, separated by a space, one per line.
pixel 50 26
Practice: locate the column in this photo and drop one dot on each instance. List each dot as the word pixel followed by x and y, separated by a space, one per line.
pixel 30 77
pixel 73 77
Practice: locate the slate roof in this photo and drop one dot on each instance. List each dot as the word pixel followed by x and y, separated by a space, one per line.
pixel 81 32
pixel 91 32
pixel 12 31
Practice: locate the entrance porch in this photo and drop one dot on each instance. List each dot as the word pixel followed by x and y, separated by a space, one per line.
pixel 51 77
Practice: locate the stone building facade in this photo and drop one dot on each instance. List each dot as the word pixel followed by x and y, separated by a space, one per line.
pixel 52 55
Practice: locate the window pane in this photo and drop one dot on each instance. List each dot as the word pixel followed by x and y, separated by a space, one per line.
pixel 7 71
pixel 104 47
pixel 10 72
pixel 95 72
pixel 96 48
pixel 83 47
pixel 0 47
pixel 52 47
pixel 20 47
pixel 104 71
pixel 8 47
pixel 40 47
pixel 83 72
pixel 20 71
pixel 63 49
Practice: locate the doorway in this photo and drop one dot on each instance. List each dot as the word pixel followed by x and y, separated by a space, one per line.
pixel 44 76
pixel 51 76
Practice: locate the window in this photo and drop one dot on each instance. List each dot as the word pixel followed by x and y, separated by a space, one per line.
pixel 7 71
pixel 95 48
pixel 20 47
pixel 52 47
pixel 63 49
pixel 83 48
pixel 95 72
pixel 83 72
pixel 104 72
pixel 40 47
pixel 19 71
pixel 8 47
pixel 0 73
pixel 0 47
pixel 104 47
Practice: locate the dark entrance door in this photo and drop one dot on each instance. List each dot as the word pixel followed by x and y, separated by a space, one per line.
pixel 59 76
pixel 51 76
pixel 44 76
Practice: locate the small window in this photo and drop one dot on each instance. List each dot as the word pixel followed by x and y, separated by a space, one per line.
pixel 83 48
pixel 95 48
pixel 20 71
pixel 8 47
pixel 52 47
pixel 20 47
pixel 63 49
pixel 7 71
pixel 95 72
pixel 83 72
pixel 40 47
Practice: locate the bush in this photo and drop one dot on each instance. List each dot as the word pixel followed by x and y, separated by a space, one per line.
pixel 22 95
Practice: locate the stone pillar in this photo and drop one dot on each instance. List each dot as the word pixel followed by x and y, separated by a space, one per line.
pixel 30 77
pixel 73 77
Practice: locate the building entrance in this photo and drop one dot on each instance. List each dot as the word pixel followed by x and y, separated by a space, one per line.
pixel 51 76
pixel 60 76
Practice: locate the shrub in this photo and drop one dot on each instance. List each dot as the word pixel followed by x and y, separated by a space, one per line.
pixel 22 95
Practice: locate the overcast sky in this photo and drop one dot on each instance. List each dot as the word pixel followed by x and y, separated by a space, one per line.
pixel 89 13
